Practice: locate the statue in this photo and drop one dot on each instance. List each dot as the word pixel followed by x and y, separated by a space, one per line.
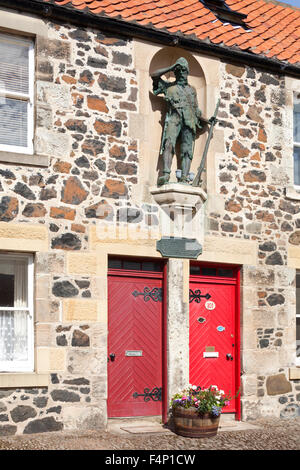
pixel 183 118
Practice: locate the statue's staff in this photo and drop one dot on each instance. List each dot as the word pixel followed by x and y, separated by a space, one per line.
pixel 212 121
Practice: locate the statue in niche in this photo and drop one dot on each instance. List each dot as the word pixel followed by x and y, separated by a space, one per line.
pixel 182 120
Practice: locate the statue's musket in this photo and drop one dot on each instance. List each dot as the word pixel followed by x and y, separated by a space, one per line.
pixel 196 181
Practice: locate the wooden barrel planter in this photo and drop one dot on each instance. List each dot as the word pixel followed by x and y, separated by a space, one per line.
pixel 189 423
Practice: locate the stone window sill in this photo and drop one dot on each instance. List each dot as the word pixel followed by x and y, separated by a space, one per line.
pixel 294 373
pixel 293 192
pixel 23 380
pixel 23 159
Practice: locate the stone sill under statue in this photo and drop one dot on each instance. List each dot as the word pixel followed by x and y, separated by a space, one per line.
pixel 182 120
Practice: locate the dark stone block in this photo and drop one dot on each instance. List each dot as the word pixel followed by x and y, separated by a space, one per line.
pixel 3 417
pixel 274 259
pixel 64 289
pixel 54 379
pixel 80 339
pixel 53 228
pixel 65 396
pixel 115 84
pixel 61 340
pixel 264 343
pixel 86 294
pixel 86 77
pixel 82 162
pixel 76 125
pixel 275 299
pixel 268 246
pixel 47 424
pixel 47 193
pixel 270 157
pixel 282 400
pixel 97 63
pixel 260 95
pixel 54 409
pixel 126 168
pixel 77 381
pixel 83 284
pixel 22 412
pixel 67 241
pixel 24 191
pixel 7 174
pixel 121 59
pixel 100 164
pixel 92 147
pixel 294 238
pixel 236 109
pixel 268 79
pixel 80 35
pixel 40 402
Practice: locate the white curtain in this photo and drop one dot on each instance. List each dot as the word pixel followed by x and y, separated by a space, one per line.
pixel 13 323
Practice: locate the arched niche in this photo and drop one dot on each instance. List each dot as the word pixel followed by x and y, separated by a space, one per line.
pixel 165 57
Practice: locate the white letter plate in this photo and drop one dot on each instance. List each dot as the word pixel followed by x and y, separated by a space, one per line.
pixel 210 354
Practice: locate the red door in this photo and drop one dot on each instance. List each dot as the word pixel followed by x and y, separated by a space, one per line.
pixel 214 343
pixel 134 344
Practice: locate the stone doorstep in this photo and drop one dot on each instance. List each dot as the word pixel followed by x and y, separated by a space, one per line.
pixel 147 429
pixel 148 426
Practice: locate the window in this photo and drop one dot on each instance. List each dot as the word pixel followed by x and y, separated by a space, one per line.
pixel 118 263
pixel 16 94
pixel 16 313
pixel 298 318
pixel 296 121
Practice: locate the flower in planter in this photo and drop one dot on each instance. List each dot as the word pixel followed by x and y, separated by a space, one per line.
pixel 209 400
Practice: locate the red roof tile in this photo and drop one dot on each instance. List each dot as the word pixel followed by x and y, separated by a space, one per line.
pixel 273 28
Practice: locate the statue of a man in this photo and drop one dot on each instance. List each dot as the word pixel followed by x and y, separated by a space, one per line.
pixel 182 119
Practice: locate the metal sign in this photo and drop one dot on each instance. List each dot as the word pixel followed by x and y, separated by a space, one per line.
pixel 133 353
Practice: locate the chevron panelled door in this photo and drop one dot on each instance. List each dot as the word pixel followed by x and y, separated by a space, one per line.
pixel 212 336
pixel 134 346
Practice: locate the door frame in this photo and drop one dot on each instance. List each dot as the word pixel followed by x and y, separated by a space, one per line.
pixel 154 275
pixel 236 279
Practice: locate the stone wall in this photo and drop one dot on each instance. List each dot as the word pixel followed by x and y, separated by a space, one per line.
pixel 252 177
pixel 86 89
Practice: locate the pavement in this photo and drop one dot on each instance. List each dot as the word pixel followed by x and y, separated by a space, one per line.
pixel 138 435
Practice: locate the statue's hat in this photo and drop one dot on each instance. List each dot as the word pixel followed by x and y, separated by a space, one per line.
pixel 183 63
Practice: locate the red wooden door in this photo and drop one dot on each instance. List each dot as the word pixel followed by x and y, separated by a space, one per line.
pixel 213 336
pixel 135 340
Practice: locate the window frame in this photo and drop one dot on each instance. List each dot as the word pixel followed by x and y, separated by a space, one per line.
pixel 295 143
pixel 23 366
pixel 29 98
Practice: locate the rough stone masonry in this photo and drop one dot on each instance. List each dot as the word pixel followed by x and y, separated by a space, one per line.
pixel 86 86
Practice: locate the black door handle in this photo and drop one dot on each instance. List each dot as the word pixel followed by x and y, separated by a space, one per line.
pixel 111 357
pixel 229 357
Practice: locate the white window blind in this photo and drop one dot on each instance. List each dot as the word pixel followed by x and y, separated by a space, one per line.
pixel 296 125
pixel 16 94
pixel 16 313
